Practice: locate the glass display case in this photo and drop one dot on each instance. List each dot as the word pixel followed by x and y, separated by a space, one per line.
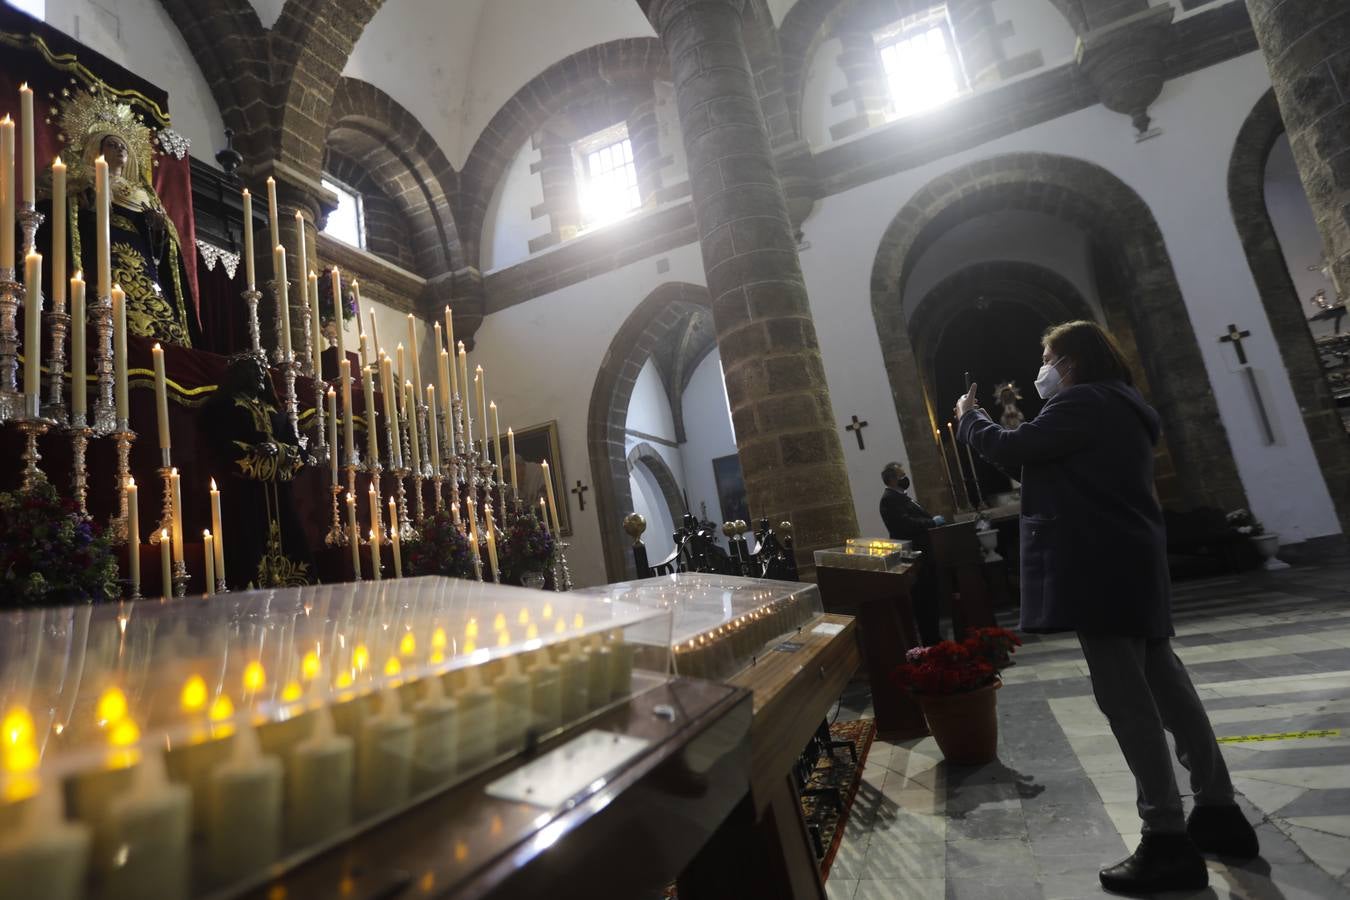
pixel 178 749
pixel 869 554
pixel 721 622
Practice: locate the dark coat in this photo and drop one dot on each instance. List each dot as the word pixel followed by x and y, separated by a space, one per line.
pixel 905 519
pixel 1094 549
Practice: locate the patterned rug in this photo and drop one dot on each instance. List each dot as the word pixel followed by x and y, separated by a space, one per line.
pixel 838 770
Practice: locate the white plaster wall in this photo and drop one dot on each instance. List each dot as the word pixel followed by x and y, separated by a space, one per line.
pixel 507 226
pixel 708 434
pixel 1036 26
pixel 823 79
pixel 1006 235
pixel 1182 176
pixel 1296 228
pixel 268 11
pixel 542 358
pixel 139 35
pixel 649 502
pixel 648 408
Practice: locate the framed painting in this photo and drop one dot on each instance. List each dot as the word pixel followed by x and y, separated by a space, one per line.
pixel 534 446
pixel 731 488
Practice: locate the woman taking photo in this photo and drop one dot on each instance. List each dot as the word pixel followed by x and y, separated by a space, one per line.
pixel 1094 561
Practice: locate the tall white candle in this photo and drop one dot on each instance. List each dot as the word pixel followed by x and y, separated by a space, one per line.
pixel 490 527
pixel 119 311
pixel 552 504
pixel 374 335
pixel 7 259
pixel 384 758
pixel 410 404
pixel 209 558
pixel 32 338
pixel 349 423
pixel 102 219
pixel 337 314
pixel 333 433
pixel 217 532
pixel 315 326
pixel 79 388
pixel 319 784
pixel 464 397
pixel 176 492
pixel 414 359
pixel 354 536
pixel 165 563
pixel 59 219
pixel 145 832
pixel 391 411
pixel 161 397
pixel 396 545
pixel 401 370
pixel 273 220
pixel 375 573
pixel 511 458
pixel 29 158
pixel 249 274
pixel 301 252
pixel 497 439
pixel 372 433
pixel 480 394
pixel 133 536
pixel 243 811
pixel 283 296
pixel 450 343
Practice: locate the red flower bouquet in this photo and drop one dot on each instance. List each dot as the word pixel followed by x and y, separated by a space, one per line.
pixel 955 668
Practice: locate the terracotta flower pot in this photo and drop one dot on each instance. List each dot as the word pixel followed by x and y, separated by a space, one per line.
pixel 965 725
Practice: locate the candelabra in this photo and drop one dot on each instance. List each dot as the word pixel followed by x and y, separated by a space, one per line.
pixel 58 320
pixel 288 366
pixel 105 420
pixel 117 528
pixel 32 428
pixel 275 288
pixel 423 453
pixel 373 469
pixel 180 578
pixel 308 367
pixel 320 440
pixel 79 479
pixel 165 525
pixel 11 403
pixel 337 535
pixel 405 524
pixel 251 297
pixel 562 576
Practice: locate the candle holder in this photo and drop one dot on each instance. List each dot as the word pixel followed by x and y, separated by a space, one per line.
pixel 337 535
pixel 251 297
pixel 457 412
pixel 438 480
pixel 117 528
pixel 11 403
pixel 562 576
pixel 373 469
pixel 274 287
pixel 32 428
pixel 288 366
pixel 320 440
pixel 30 220
pixel 180 578
pixel 306 357
pixel 105 421
pixel 165 525
pixel 79 478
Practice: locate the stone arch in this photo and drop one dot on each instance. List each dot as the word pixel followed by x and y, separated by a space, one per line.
pixel 614 65
pixel 656 319
pixel 1284 309
pixel 1140 298
pixel 370 128
pixel 645 455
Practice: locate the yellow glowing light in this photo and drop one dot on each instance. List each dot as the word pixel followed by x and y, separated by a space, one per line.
pixel 471 630
pixel 436 657
pixel 21 758
pixel 499 623
pixel 524 617
pixel 292 692
pixel 255 677
pixel 470 646
pixel 222 709
pixel 408 646
pixel 193 696
pixel 18 727
pixel 393 667
pixel 548 611
pixel 504 639
pixel 360 658
pixel 310 666
pixel 124 734
pixel 438 639
pixel 344 679
pixel 578 622
pixel 559 626
pixel 461 851
pixel 112 706
pixel 532 632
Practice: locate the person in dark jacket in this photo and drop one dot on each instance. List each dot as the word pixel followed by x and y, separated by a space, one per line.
pixel 1094 561
pixel 906 520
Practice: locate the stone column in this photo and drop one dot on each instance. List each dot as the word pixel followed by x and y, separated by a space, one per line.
pixel 1307 47
pixel 787 435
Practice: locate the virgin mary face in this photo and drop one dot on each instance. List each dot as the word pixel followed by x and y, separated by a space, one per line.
pixel 114 154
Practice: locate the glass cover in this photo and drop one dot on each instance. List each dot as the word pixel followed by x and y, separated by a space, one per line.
pixel 283 719
pixel 873 555
pixel 721 622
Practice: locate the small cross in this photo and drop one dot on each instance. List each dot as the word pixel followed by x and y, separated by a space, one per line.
pixel 1235 337
pixel 580 490
pixel 857 428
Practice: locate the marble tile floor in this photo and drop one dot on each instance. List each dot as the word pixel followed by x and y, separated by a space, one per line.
pixel 1269 653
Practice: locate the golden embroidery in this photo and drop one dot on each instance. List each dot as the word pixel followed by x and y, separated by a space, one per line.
pixel 275 569
pixel 148 312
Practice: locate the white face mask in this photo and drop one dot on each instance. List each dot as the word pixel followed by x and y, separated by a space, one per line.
pixel 1049 381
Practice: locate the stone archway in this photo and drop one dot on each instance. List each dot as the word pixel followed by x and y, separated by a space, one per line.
pixel 1138 289
pixel 656 321
pixel 1284 308
pixel 645 455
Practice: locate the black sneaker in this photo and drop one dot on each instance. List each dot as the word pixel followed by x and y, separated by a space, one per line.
pixel 1163 862
pixel 1223 831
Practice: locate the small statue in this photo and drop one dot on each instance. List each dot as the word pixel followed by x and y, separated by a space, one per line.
pixel 258 449
pixel 1007 395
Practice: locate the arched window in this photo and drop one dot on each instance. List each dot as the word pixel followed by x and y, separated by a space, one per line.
pixel 923 68
pixel 607 183
pixel 347 223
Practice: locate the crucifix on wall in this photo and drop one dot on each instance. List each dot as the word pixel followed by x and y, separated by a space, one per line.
pixel 580 490
pixel 856 428
pixel 1235 337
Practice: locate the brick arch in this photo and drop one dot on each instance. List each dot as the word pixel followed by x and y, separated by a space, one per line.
pixel 657 318
pixel 369 127
pixel 1138 289
pixel 1284 309
pixel 647 456
pixel 614 65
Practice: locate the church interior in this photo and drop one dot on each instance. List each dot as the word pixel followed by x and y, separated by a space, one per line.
pixel 627 449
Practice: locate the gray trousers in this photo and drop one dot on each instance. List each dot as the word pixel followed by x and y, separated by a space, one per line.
pixel 1142 688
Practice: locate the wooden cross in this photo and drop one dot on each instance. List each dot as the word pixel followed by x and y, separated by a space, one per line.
pixel 857 428
pixel 1235 337
pixel 580 490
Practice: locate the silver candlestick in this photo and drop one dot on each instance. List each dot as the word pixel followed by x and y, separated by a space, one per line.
pixel 373 469
pixel 30 220
pixel 165 526
pixel 320 433
pixel 11 402
pixel 307 361
pixel 337 535
pixel 275 290
pixel 105 420
pixel 32 428
pixel 180 578
pixel 117 528
pixel 562 576
pixel 251 297
pixel 79 479
pixel 288 366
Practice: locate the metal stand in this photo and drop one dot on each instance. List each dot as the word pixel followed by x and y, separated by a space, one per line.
pixel 117 528
pixel 32 429
pixel 288 367
pixel 275 290
pixel 251 297
pixel 320 440
pixel 165 525
pixel 11 402
pixel 58 320
pixel 373 469
pixel 562 576
pixel 337 535
pixel 105 421
pixel 180 578
pixel 307 357
pixel 79 479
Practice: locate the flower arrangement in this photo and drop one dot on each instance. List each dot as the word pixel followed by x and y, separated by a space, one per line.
pixel 326 299
pixel 441 549
pixel 1244 523
pixel 954 668
pixel 526 547
pixel 50 554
